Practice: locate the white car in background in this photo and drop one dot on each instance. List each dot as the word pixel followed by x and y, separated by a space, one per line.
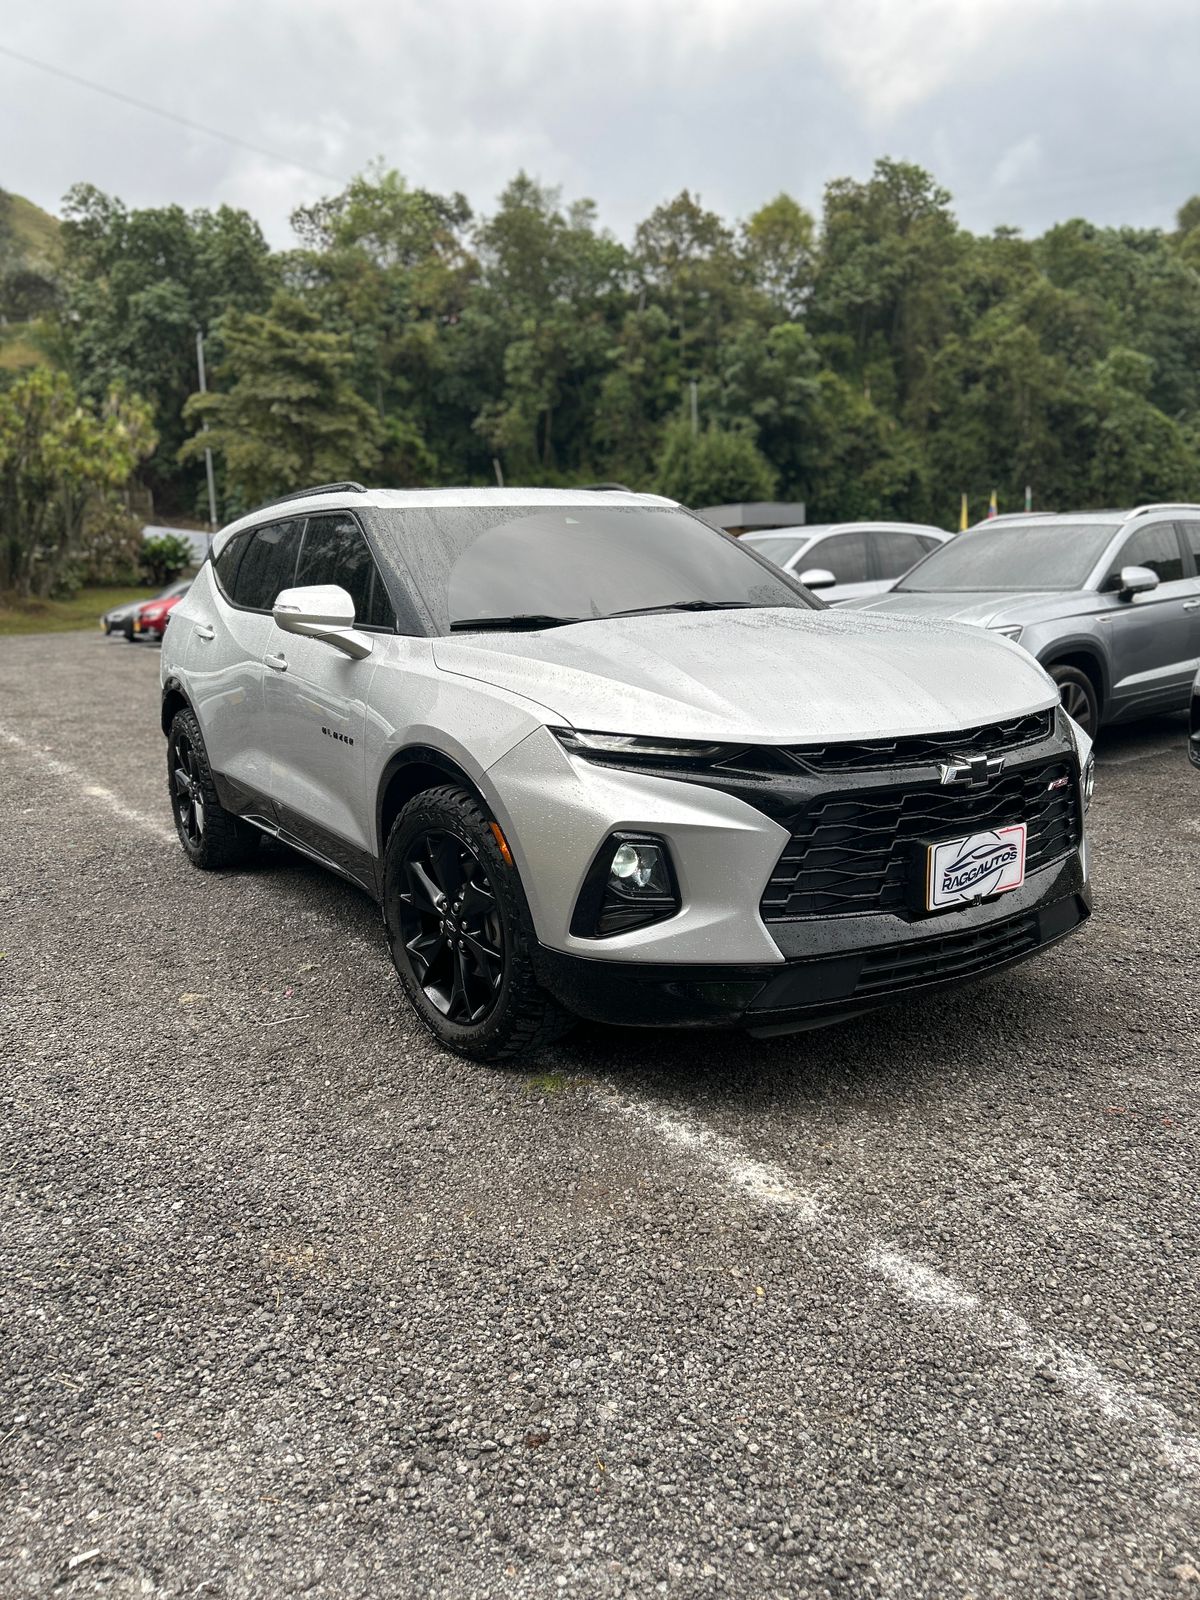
pixel 844 560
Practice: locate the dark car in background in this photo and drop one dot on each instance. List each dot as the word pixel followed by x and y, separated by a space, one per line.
pixel 1107 601
pixel 847 560
pixel 1194 726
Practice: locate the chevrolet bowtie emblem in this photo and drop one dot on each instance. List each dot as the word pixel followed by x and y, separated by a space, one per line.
pixel 973 772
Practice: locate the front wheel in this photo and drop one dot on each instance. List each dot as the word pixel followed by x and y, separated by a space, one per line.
pixel 1078 697
pixel 460 931
pixel 211 837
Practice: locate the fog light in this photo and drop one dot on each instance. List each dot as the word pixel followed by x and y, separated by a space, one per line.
pixel 639 867
pixel 630 884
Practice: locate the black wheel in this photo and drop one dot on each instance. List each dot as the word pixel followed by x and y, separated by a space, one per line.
pixel 1078 697
pixel 127 630
pixel 212 837
pixel 461 933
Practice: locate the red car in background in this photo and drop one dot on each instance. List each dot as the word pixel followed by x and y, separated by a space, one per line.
pixel 149 620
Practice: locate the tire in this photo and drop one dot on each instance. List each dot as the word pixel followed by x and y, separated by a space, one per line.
pixel 212 838
pixel 1078 696
pixel 460 931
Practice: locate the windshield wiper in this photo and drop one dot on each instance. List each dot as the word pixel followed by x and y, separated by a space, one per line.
pixel 523 620
pixel 691 605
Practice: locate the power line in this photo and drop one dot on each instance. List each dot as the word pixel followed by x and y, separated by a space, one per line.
pixel 168 116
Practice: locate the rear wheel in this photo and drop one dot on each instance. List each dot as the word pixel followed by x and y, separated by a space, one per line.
pixel 211 837
pixel 460 931
pixel 1078 697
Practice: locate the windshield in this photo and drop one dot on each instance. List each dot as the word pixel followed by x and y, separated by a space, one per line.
pixel 778 550
pixel 1013 557
pixel 538 566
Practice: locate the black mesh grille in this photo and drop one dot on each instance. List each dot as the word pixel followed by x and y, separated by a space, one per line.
pixel 864 851
pixel 869 754
pixel 957 955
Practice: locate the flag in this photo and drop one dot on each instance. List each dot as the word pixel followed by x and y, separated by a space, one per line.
pixel 993 508
pixel 963 522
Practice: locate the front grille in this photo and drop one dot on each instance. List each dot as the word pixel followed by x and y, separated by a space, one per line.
pixel 864 851
pixel 917 750
pixel 957 955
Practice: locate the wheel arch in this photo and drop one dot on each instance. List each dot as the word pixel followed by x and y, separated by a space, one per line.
pixel 411 772
pixel 1086 657
pixel 174 700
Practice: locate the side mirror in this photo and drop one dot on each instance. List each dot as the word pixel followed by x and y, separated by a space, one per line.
pixel 322 611
pixel 818 578
pixel 1135 580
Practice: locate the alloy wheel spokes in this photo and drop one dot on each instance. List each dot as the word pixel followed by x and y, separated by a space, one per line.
pixel 451 928
pixel 188 792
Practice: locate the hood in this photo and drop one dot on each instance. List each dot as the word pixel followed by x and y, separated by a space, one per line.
pixel 761 677
pixel 980 608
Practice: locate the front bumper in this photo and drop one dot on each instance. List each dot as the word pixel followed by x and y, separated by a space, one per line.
pixel 810 991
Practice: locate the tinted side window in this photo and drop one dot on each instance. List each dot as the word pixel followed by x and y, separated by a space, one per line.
pixel 843 554
pixel 1156 547
pixel 896 552
pixel 335 551
pixel 226 564
pixel 1191 538
pixel 268 565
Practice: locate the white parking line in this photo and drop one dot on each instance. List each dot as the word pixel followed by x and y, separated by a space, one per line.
pixel 769 1187
pixel 85 785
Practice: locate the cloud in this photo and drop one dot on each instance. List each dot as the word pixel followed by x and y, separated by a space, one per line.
pixel 1025 109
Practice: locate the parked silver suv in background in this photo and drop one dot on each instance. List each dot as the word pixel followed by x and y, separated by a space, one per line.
pixel 594 757
pixel 1107 601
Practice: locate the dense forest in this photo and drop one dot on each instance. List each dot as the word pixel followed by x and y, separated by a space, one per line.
pixel 877 359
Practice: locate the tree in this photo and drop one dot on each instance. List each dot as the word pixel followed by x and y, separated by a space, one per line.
pixel 283 413
pixel 136 287
pixel 58 457
pixel 715 467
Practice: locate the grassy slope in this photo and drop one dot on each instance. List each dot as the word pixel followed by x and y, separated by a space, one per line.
pixel 35 234
pixel 62 616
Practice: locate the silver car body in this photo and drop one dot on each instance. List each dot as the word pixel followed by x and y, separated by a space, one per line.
pixel 306 740
pixel 881 551
pixel 1142 650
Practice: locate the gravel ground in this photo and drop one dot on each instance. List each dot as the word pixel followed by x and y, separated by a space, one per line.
pixel 293 1303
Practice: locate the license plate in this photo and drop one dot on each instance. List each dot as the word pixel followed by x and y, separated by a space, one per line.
pixel 977 865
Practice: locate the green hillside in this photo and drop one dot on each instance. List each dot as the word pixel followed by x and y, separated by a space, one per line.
pixel 29 236
pixel 30 254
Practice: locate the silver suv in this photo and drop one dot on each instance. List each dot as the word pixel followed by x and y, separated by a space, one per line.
pixel 593 758
pixel 1108 601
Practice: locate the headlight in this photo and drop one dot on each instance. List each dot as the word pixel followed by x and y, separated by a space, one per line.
pixel 630 884
pixel 626 745
pixel 1010 630
pixel 1087 779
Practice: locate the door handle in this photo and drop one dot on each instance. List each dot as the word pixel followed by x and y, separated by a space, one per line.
pixel 1192 605
pixel 203 631
pixel 277 663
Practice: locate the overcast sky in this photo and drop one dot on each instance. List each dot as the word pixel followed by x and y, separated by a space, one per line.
pixel 1027 110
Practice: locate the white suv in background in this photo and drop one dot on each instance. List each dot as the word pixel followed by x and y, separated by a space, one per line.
pixel 594 757
pixel 847 560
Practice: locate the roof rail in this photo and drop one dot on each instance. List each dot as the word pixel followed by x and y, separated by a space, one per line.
pixel 1163 505
pixel 1011 516
pixel 599 488
pixel 349 486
